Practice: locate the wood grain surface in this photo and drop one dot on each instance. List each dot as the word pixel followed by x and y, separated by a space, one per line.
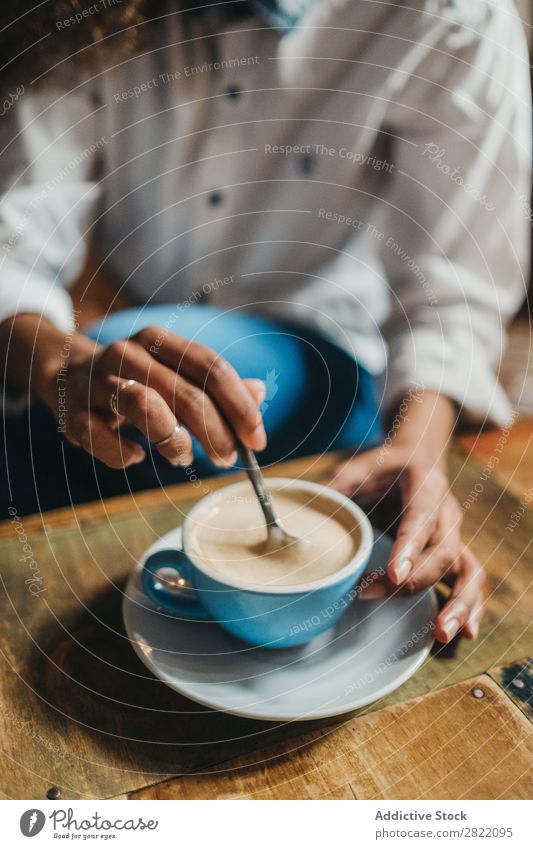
pixel 83 714
pixel 468 741
pixel 506 454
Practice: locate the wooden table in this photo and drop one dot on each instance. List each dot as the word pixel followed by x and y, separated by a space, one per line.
pixel 83 718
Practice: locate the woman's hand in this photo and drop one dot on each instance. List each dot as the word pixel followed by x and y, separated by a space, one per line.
pixel 160 380
pixel 428 546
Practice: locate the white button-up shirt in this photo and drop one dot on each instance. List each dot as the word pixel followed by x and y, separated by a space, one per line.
pixel 365 174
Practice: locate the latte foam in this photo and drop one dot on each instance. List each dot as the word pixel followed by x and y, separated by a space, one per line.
pixel 230 537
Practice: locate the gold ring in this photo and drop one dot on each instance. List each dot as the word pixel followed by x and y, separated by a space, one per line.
pixel 113 401
pixel 168 438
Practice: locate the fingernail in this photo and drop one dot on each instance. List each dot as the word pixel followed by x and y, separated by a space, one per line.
pixel 138 456
pixel 180 456
pixel 259 438
pixel 473 628
pixel 450 628
pixel 402 571
pixel 226 462
pixel 261 390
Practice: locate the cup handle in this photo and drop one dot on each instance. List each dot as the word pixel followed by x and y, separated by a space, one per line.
pixel 173 595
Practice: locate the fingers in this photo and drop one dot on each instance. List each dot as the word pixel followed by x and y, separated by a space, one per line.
pixel 449 521
pixel 215 377
pixel 432 566
pixel 91 432
pixel 186 401
pixel 146 410
pixel 176 447
pixel 190 404
pixel 429 570
pixel 256 388
pixel 423 492
pixel 442 554
pixel 428 547
pixel 463 610
pixel 359 472
pixel 141 407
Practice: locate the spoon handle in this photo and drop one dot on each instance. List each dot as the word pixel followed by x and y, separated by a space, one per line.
pixel 253 471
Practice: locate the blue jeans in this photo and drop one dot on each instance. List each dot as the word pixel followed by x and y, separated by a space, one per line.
pixel 318 399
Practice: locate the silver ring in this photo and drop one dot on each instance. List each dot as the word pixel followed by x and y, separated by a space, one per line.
pixel 168 438
pixel 113 401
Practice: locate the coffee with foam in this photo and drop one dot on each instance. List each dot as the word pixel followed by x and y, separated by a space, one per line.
pixel 230 536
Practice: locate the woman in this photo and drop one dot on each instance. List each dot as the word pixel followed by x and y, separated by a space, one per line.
pixel 315 208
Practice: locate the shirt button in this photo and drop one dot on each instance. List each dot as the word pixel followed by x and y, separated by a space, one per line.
pixel 233 92
pixel 215 198
pixel 306 164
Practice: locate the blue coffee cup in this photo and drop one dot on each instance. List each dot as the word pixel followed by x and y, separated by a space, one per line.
pixel 179 583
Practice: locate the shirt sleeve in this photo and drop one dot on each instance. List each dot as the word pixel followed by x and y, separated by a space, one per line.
pixel 456 220
pixel 49 152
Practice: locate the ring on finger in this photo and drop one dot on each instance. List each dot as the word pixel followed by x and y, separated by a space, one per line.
pixel 113 400
pixel 162 442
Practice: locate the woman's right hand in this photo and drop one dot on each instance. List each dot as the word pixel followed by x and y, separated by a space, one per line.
pixel 174 381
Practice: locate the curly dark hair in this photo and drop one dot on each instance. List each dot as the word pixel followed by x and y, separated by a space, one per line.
pixel 35 37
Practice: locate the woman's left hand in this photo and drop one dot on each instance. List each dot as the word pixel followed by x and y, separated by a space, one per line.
pixel 428 546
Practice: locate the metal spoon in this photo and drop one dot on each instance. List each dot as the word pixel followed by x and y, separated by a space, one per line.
pixel 277 534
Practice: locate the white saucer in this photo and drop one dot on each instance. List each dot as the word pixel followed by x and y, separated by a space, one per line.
pixel 373 648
